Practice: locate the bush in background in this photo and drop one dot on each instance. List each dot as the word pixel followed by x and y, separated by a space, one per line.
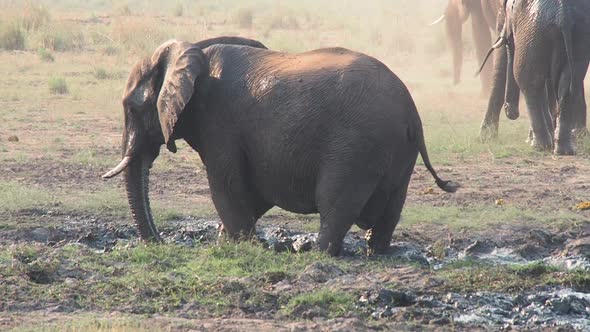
pixel 58 85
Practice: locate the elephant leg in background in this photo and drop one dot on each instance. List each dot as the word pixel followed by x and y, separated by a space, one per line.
pixel 490 123
pixel 581 113
pixel 512 96
pixel 379 237
pixel 483 40
pixel 341 197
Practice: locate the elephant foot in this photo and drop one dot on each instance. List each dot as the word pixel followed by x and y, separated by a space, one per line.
pixel 488 132
pixel 377 245
pixel 511 111
pixel 565 148
pixel 541 145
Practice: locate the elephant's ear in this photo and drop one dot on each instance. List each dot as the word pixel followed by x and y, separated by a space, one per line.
pixel 184 64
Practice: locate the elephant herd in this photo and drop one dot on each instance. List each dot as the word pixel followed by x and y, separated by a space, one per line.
pixel 333 131
pixel 542 50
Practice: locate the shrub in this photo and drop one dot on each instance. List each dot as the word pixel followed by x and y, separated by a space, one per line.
pixel 12 37
pixel 45 55
pixel 243 17
pixel 58 85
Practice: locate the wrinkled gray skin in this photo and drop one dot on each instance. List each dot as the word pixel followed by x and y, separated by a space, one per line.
pixel 329 131
pixel 483 15
pixel 544 52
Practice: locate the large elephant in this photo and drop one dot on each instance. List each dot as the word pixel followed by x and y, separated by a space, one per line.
pixel 543 51
pixel 483 20
pixel 329 131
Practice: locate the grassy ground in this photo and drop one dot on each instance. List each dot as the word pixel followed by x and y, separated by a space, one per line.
pixel 64 66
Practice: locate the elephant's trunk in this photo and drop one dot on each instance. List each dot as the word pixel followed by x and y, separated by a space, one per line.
pixel 136 163
pixel 137 185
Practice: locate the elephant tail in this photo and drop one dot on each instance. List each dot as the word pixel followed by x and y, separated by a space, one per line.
pixel 418 138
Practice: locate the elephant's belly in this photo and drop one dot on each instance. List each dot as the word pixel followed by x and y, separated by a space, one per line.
pixel 291 193
pixel 296 201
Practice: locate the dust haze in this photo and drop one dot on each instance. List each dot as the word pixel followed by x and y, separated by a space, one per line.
pixel 508 249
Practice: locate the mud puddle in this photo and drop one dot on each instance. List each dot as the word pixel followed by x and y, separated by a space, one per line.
pixel 414 298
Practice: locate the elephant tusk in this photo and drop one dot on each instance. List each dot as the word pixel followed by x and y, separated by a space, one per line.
pixel 117 170
pixel 499 43
pixel 440 19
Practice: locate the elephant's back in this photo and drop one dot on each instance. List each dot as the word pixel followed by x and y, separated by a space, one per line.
pixel 231 62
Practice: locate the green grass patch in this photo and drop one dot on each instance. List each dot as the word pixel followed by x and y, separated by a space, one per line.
pixel 101 73
pixel 329 302
pixel 483 216
pixel 158 278
pixel 15 196
pixel 45 55
pixel 474 276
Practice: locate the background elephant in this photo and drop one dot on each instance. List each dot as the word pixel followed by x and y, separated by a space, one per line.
pixel 329 131
pixel 543 51
pixel 483 20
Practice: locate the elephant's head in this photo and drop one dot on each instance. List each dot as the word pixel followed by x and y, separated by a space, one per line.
pixel 157 91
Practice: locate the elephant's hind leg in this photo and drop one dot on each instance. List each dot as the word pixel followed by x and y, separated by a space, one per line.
pixel 379 237
pixel 566 100
pixel 341 199
pixel 536 100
